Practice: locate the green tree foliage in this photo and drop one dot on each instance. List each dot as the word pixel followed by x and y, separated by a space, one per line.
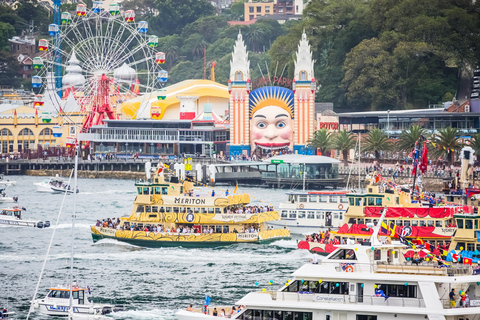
pixel 475 143
pixel 173 15
pixel 321 140
pixel 185 70
pixel 377 141
pixel 209 27
pixel 6 32
pixel 29 10
pixel 9 68
pixel 343 142
pixel 447 142
pixel 407 139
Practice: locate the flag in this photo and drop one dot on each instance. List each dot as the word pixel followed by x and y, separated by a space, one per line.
pixel 380 293
pixel 207 302
pixel 424 160
pixel 236 188
pixel 415 159
pixel 384 228
pixel 391 228
pixel 467 261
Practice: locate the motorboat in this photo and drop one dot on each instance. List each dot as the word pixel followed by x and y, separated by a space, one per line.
pixel 170 212
pixel 366 282
pixel 54 185
pixel 57 302
pixel 311 211
pixel 6 182
pixel 13 217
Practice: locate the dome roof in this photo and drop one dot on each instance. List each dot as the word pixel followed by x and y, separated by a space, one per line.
pixel 125 73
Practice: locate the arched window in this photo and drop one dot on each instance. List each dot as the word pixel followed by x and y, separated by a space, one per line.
pixel 238 76
pixel 46 138
pixel 6 138
pixel 303 75
pixel 26 140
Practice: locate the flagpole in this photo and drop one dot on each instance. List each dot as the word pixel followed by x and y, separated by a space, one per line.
pixel 415 164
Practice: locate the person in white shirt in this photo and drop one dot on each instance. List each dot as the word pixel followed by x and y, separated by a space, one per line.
pixel 178 230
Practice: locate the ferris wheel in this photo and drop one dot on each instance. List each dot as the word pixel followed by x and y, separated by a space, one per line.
pixel 94 60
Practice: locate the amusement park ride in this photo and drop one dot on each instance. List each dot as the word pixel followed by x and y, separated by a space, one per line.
pixel 95 60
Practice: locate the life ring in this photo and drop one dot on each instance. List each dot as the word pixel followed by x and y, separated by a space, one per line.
pixel 340 206
pixel 349 269
pixel 301 206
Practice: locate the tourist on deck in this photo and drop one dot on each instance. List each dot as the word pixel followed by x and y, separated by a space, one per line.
pixel 213 193
pixel 215 313
pixel 451 295
pixel 227 193
pixel 222 313
pixel 190 308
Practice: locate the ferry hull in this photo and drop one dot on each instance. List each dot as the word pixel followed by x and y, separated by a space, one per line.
pixel 141 238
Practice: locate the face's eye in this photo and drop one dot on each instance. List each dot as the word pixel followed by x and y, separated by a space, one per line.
pixel 261 125
pixel 281 124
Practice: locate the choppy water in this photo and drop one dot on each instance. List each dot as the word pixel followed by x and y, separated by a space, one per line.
pixel 152 283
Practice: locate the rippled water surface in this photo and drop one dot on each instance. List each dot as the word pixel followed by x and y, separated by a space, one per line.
pixel 152 283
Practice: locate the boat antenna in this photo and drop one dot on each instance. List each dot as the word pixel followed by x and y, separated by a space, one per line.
pixel 70 311
pixel 359 158
pixel 304 170
pixel 374 239
pixel 48 249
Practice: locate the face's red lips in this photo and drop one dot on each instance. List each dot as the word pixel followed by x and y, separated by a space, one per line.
pixel 272 145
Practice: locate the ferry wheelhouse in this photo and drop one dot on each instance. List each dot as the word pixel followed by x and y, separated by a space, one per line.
pixel 409 218
pixel 312 211
pixel 169 212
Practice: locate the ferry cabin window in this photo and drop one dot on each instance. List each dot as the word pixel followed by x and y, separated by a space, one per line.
pixel 325 287
pixel 423 223
pixel 343 199
pixel 158 190
pixel 252 314
pixel 371 201
pixel 468 224
pixel 358 202
pixel 218 229
pixel 430 223
pixel 164 190
pixel 312 198
pixel 139 209
pixel 211 210
pixel 148 209
pixel 154 209
pixel 460 245
pixel 139 190
pixel 217 210
pixel 470 246
pixel 344 254
pixel 168 209
pixel 284 213
pixel 196 210
pixel 301 215
pixel 352 220
pixel 377 254
pixel 319 216
pixel 460 223
pixel 291 198
pixel 414 223
pixel 302 198
pixel 146 190
pixel 438 223
pixel 366 317
pixel 226 229
pixel 176 209
pixel 398 222
pixel 324 199
pixel 378 202
pixel 361 221
pixel 292 215
pixel 351 201
pixel 398 290
pixel 406 223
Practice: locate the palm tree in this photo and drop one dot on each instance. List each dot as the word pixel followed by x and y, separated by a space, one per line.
pixel 255 36
pixel 199 47
pixel 475 143
pixel 344 141
pixel 407 139
pixel 446 142
pixel 322 140
pixel 171 52
pixel 377 141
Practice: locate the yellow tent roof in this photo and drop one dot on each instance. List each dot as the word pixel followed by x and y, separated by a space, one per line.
pixel 139 107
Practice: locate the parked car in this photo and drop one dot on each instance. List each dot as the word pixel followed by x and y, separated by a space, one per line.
pixel 475 95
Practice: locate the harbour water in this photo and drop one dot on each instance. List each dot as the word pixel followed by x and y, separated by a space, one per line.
pixel 152 283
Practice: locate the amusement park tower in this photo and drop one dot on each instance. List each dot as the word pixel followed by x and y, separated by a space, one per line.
pixel 239 86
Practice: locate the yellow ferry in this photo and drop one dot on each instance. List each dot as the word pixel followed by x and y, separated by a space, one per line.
pixel 168 212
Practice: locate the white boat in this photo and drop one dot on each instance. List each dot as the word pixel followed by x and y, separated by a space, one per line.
pixel 13 217
pixel 366 282
pixel 57 303
pixel 6 182
pixel 54 185
pixel 312 211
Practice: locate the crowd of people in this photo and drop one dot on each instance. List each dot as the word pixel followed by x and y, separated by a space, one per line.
pixel 222 313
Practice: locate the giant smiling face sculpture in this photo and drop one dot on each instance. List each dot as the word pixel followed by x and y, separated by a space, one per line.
pixel 271 119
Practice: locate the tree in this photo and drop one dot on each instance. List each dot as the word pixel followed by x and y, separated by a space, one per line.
pixel 255 36
pixel 209 27
pixel 9 68
pixel 322 140
pixel 171 46
pixel 343 142
pixel 475 143
pixel 446 142
pixel 173 15
pixel 6 32
pixel 376 142
pixel 185 70
pixel 407 139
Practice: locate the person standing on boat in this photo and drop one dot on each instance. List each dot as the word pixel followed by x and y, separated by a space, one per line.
pixel 452 298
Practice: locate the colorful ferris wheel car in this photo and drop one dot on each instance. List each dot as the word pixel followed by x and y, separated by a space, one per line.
pixel 152 41
pixel 36 82
pixel 160 57
pixel 142 27
pixel 43 45
pixel 162 76
pixel 53 29
pixel 37 63
pixel 66 18
pixel 162 94
pixel 114 9
pixel 130 15
pixel 57 131
pixel 97 7
pixel 81 10
pixel 46 117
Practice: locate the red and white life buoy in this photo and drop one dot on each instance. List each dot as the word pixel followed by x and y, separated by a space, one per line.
pixel 349 269
pixel 301 206
pixel 340 206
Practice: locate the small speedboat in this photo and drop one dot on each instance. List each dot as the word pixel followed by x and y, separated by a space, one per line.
pixel 57 303
pixel 54 185
pixel 6 182
pixel 13 217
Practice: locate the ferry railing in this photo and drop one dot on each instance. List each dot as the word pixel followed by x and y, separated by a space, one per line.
pixel 429 268
pixel 348 299
pixel 472 302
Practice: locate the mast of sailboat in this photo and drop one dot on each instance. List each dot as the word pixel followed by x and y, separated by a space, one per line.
pixel 359 157
pixel 304 169
pixel 73 229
